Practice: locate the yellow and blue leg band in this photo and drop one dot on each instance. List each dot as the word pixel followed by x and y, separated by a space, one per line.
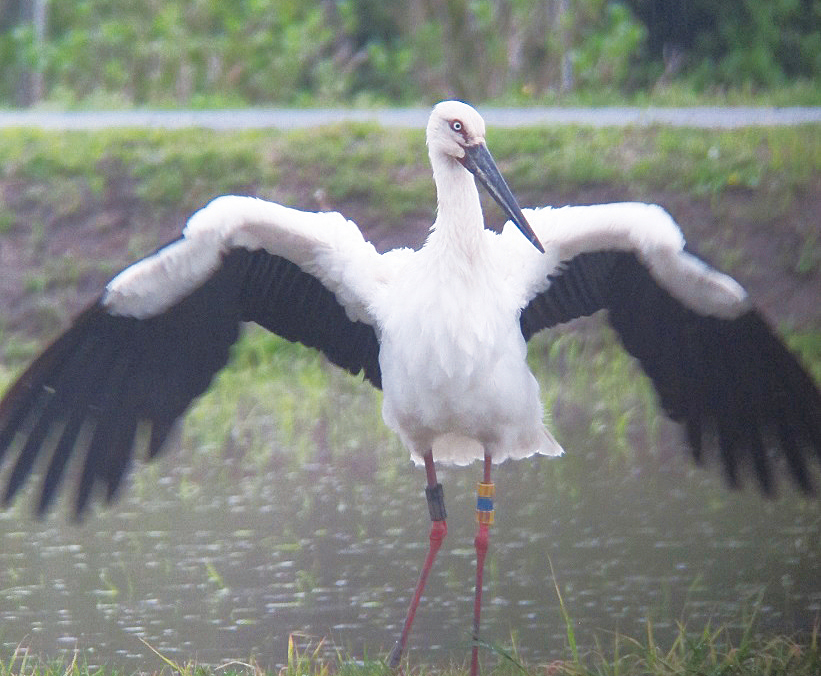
pixel 484 502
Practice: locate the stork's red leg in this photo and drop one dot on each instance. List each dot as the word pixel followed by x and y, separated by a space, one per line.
pixel 438 530
pixel 484 517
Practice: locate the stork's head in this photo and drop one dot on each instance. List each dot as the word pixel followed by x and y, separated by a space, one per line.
pixel 453 126
pixel 457 132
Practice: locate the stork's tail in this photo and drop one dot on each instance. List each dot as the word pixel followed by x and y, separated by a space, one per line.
pixel 549 445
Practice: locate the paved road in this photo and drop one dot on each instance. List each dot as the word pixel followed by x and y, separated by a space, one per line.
pixel 283 118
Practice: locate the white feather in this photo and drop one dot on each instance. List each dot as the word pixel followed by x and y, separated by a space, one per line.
pixel 323 244
pixel 644 229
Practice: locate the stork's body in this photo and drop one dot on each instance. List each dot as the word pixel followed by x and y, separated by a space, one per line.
pixel 452 354
pixel 442 330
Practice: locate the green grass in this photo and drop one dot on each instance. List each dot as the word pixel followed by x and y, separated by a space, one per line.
pixel 775 160
pixel 274 396
pixel 710 651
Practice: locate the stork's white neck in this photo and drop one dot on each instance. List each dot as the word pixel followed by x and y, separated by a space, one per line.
pixel 459 220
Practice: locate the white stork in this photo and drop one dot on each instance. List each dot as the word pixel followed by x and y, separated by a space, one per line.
pixel 442 330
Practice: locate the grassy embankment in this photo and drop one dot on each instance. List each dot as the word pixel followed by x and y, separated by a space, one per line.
pixel 76 207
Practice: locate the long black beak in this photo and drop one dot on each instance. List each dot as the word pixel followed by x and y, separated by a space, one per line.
pixel 479 162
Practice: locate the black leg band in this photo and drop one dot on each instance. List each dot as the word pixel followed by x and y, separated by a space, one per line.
pixel 436 502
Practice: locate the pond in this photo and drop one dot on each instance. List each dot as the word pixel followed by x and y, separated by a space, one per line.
pixel 210 557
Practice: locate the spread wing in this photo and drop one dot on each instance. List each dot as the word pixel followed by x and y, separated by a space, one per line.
pixel 716 364
pixel 132 363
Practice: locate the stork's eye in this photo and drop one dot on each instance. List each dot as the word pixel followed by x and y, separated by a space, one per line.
pixel 456 125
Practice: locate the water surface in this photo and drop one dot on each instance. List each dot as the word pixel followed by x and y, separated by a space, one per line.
pixel 332 552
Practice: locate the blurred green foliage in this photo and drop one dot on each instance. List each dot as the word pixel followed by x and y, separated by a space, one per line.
pixel 118 53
